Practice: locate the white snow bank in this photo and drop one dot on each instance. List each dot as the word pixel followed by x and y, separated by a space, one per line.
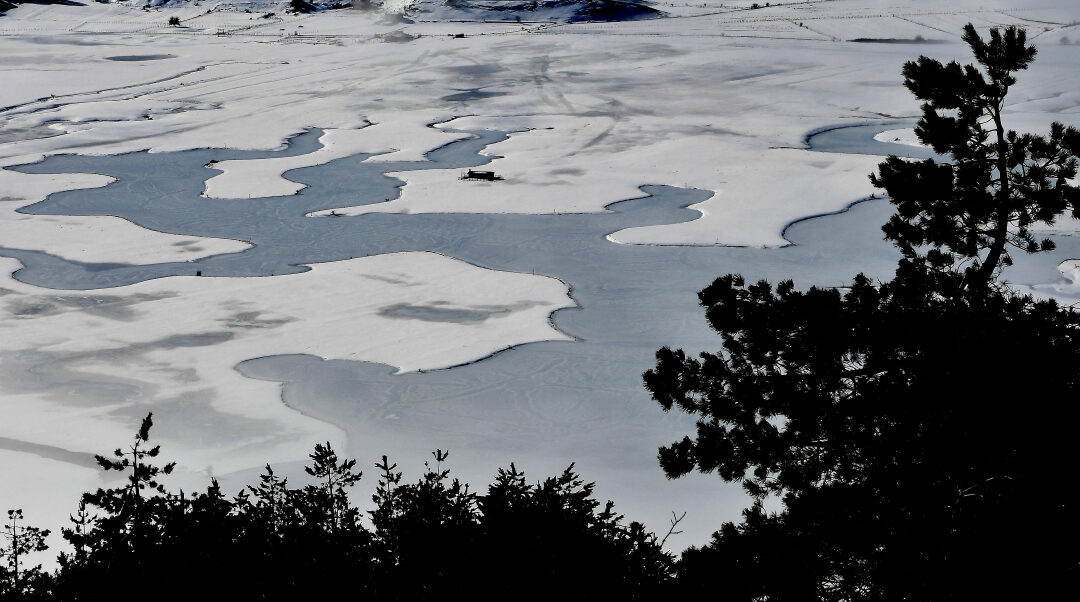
pixel 762 190
pixel 545 169
pixel 901 136
pixel 1066 289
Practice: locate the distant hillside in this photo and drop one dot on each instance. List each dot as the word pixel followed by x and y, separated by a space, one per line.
pixel 253 5
pixel 565 11
pixel 10 4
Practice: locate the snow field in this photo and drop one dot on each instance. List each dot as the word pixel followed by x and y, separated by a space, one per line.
pixel 718 107
pixel 80 368
pixel 717 100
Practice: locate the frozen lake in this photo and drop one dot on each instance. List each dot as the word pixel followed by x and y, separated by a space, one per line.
pixel 541 404
pixel 508 321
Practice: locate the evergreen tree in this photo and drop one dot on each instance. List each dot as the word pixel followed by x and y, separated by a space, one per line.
pixel 323 537
pixel 903 425
pixel 114 544
pixel 431 540
pixel 198 535
pixel 267 504
pixel 426 534
pixel 19 580
pixel 327 500
pixel 132 510
pixel 386 507
pixel 565 543
pixel 78 535
pixel 997 184
pixel 266 523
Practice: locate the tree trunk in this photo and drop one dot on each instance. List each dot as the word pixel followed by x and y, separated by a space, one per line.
pixel 1000 235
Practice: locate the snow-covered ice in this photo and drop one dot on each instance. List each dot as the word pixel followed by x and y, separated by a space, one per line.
pixel 717 99
pixel 78 367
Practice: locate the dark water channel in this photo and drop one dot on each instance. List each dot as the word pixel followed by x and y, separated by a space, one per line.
pixel 541 404
pixel 135 58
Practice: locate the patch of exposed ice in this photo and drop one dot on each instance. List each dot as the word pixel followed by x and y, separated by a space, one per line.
pixel 89 239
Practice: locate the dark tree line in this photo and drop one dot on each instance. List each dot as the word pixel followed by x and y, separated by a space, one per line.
pixel 430 539
pixel 918 432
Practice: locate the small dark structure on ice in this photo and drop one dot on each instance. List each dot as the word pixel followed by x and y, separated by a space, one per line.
pixel 472 174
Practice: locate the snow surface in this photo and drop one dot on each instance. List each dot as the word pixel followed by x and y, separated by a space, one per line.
pixel 242 318
pixel 718 97
pixel 901 136
pixel 169 346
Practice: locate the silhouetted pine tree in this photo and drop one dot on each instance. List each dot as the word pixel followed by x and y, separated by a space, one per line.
pixel 915 430
pixel 266 521
pixel 325 538
pixel 565 544
pixel 20 580
pixel 997 182
pixel 326 502
pixel 125 525
pixel 426 535
pixel 198 546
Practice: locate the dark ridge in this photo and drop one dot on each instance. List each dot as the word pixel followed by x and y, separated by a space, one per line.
pixel 915 40
pixel 611 10
pixel 10 4
pixel 568 11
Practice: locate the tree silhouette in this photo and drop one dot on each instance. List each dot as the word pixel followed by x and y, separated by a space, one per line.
pixel 432 539
pixel 17 580
pixel 327 537
pixel 267 504
pixel 566 543
pixel 997 184
pixel 426 533
pixel 115 539
pixel 437 540
pixel 267 524
pixel 327 501
pixel 132 509
pixel 896 422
